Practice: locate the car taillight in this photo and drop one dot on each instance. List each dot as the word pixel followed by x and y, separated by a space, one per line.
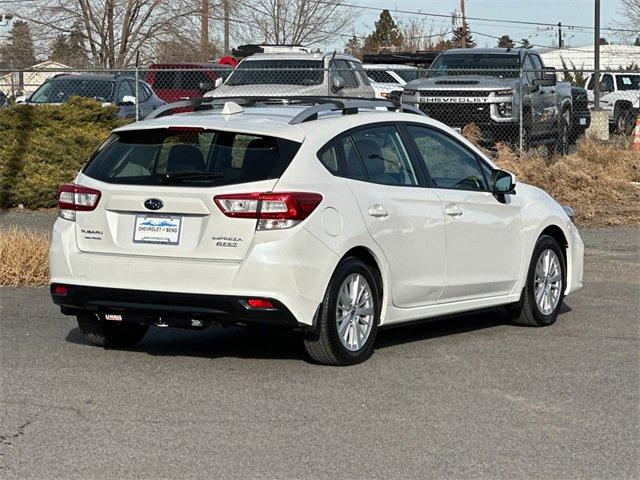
pixel 274 211
pixel 75 198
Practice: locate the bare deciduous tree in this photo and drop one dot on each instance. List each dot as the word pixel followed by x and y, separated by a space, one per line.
pixel 114 30
pixel 631 14
pixel 305 22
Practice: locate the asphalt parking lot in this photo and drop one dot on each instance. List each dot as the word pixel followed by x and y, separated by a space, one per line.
pixel 470 397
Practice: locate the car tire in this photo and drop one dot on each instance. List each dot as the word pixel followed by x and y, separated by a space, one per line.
pixel 542 296
pixel 625 121
pixel 104 333
pixel 346 328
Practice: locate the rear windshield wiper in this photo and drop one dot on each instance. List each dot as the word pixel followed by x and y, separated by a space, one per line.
pixel 177 177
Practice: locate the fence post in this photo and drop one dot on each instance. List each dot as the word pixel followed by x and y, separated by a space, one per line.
pixel 521 120
pixel 136 88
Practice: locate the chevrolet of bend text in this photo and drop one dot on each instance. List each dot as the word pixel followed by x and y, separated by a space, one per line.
pixel 333 218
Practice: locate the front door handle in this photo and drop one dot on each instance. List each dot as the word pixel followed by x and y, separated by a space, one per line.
pixel 378 211
pixel 453 210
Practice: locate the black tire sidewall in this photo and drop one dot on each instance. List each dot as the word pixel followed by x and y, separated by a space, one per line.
pixel 348 267
pixel 544 243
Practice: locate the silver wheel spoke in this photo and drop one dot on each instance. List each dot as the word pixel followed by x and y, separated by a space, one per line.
pixel 354 312
pixel 547 282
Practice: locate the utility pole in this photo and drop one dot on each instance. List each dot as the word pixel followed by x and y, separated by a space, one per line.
pixel 463 41
pixel 560 40
pixel 204 30
pixel 596 57
pixel 225 4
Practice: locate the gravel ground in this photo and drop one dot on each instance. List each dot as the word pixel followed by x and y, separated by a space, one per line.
pixel 464 398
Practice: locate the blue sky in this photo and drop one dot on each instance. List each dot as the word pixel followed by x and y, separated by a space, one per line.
pixel 576 12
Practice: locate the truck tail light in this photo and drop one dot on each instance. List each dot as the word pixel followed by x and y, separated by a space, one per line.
pixel 74 198
pixel 274 211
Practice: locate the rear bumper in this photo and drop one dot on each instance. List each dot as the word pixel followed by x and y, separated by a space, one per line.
pixel 171 307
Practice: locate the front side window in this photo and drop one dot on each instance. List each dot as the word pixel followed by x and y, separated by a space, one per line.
pixel 384 156
pixel 191 157
pixel 607 83
pixel 450 165
pixel 345 71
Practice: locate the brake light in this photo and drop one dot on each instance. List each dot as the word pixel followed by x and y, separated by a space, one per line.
pixel 60 290
pixel 74 198
pixel 274 211
pixel 259 304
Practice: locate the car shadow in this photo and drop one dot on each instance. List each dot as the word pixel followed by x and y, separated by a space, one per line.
pixel 248 343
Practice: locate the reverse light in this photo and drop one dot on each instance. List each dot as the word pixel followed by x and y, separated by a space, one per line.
pixel 273 211
pixel 74 198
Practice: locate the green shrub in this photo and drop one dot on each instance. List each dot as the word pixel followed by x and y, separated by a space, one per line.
pixel 44 146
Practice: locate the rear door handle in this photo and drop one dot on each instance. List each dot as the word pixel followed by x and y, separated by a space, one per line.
pixel 378 211
pixel 453 210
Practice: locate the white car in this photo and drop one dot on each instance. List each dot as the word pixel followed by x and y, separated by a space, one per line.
pixel 335 219
pixel 386 79
pixel 619 97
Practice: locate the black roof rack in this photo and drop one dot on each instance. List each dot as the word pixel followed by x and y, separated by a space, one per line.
pixel 347 105
pixel 422 58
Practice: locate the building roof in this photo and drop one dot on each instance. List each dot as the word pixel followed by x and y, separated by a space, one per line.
pixel 611 57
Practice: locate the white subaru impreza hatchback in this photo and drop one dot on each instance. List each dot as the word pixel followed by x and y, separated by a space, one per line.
pixel 335 219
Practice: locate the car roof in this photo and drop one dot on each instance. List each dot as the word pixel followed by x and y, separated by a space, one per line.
pixel 273 121
pixel 211 65
pixel 88 76
pixel 484 51
pixel 388 66
pixel 297 56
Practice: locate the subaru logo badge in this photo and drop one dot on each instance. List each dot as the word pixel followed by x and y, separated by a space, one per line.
pixel 153 204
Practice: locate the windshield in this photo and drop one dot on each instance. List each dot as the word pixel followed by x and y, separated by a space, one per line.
pixel 504 66
pixel 280 72
pixel 59 91
pixel 407 74
pixel 628 82
pixel 189 156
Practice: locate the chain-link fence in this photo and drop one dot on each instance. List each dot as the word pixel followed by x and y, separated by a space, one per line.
pixel 521 108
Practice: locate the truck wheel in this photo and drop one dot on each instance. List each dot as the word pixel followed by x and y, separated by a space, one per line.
pixel 543 293
pixel 348 317
pixel 104 333
pixel 562 141
pixel 625 121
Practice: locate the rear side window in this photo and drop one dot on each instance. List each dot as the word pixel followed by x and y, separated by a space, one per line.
pixel 384 156
pixel 165 79
pixel 192 157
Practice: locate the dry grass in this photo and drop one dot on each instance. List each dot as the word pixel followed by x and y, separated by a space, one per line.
pixel 23 258
pixel 598 180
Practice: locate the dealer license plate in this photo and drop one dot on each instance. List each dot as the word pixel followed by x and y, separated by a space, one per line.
pixel 164 229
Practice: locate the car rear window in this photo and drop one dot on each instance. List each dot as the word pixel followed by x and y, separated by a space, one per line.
pixel 189 156
pixel 59 91
pixel 277 72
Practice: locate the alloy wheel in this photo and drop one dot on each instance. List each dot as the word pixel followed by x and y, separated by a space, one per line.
pixel 547 282
pixel 354 312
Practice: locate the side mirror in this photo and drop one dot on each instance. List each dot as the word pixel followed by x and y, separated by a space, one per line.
pixel 503 182
pixel 21 99
pixel 337 84
pixel 219 81
pixel 548 79
pixel 128 100
pixel 206 86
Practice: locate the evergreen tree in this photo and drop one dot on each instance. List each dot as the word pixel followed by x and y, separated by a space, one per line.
pixel 505 42
pixel 70 50
pixel 603 41
pixel 18 51
pixel 353 47
pixel 462 32
pixel 637 42
pixel 386 36
pixel 525 43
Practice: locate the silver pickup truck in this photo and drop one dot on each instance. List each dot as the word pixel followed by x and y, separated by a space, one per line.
pixel 485 86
